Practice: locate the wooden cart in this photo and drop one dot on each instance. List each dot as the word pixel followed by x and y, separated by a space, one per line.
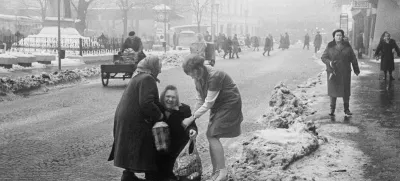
pixel 113 71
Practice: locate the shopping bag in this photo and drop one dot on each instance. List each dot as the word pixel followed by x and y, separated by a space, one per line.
pixel 188 165
pixel 161 136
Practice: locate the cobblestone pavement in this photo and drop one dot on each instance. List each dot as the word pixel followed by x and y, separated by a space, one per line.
pixel 66 134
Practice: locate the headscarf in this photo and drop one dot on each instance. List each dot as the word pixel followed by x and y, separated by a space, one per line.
pixel 149 65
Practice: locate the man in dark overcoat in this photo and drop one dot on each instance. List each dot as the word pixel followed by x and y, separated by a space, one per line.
pixel 360 44
pixel 138 110
pixel 317 42
pixel 339 57
pixel 306 41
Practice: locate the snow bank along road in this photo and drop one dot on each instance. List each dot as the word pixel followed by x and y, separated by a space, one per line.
pixel 66 134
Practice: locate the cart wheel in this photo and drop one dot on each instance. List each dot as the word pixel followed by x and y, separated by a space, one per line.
pixel 106 77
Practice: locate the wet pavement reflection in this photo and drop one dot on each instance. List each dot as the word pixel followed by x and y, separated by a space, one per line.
pixel 375 104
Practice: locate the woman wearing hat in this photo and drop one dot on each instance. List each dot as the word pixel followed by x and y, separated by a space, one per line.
pixel 339 57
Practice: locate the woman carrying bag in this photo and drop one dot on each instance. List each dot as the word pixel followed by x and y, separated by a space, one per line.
pixel 216 92
pixel 385 50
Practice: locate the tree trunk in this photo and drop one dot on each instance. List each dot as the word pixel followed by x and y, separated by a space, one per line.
pixel 198 26
pixel 81 15
pixel 125 21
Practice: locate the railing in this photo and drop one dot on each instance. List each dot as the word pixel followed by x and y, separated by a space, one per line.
pixel 72 46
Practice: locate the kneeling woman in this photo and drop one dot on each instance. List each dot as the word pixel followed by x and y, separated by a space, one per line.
pixel 175 113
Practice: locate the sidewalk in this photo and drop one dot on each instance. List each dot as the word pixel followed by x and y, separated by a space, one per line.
pixel 366 144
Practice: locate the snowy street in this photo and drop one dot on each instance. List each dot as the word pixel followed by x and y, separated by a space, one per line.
pixel 66 133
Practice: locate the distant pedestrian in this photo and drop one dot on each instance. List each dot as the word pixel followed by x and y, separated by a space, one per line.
pixel 207 37
pixel 199 46
pixel 339 57
pixel 138 110
pixel 267 45
pixel 235 46
pixel 306 41
pixel 272 41
pixel 256 43
pixel 228 47
pixel 385 51
pixel 247 41
pixel 360 44
pixel 317 41
pixel 217 93
pixel 287 41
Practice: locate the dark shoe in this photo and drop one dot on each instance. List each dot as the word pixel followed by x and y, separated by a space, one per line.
pixel 347 112
pixel 332 111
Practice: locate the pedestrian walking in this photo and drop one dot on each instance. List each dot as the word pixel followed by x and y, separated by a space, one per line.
pixel 272 42
pixel 317 42
pixel 306 41
pixel 339 57
pixel 217 92
pixel 360 44
pixel 228 47
pixel 247 41
pixel 235 46
pixel 267 45
pixel 287 41
pixel 138 110
pixel 199 46
pixel 385 50
pixel 207 37
pixel 255 42
pixel 175 113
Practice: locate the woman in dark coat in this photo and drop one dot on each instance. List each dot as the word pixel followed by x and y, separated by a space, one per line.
pixel 267 45
pixel 216 92
pixel 339 57
pixel 385 49
pixel 235 46
pixel 138 110
pixel 175 113
pixel 228 47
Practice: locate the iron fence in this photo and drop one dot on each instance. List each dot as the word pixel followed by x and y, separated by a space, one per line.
pixel 72 46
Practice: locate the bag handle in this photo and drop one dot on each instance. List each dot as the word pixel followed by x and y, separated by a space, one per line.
pixel 185 150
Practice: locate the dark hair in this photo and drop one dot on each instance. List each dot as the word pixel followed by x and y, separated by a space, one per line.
pixel 383 35
pixel 338 30
pixel 192 62
pixel 132 33
pixel 162 96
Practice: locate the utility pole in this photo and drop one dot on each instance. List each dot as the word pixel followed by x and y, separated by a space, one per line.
pixel 212 11
pixel 59 35
pixel 165 27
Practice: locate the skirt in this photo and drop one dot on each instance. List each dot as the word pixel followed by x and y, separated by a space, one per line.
pixel 225 123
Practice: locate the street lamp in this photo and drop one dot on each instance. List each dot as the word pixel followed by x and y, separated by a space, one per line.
pixel 217 7
pixel 162 16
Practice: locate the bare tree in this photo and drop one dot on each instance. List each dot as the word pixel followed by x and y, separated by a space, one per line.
pixel 127 5
pixel 199 7
pixel 81 11
pixel 38 6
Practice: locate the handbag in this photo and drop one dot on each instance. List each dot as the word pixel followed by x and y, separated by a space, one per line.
pixel 161 136
pixel 188 165
pixel 240 49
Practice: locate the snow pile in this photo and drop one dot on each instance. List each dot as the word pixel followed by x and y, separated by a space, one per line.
pixel 311 82
pixel 171 58
pixel 266 154
pixel 285 108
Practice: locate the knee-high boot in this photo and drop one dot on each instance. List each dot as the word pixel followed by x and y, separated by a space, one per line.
pixel 333 106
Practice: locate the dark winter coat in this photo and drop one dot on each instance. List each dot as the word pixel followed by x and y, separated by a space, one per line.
pixel 179 138
pixel 307 39
pixel 360 42
pixel 318 40
pixel 228 44
pixel 343 58
pixel 385 51
pixel 268 44
pixel 135 116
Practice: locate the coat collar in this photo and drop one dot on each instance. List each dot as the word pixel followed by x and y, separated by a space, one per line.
pixel 333 44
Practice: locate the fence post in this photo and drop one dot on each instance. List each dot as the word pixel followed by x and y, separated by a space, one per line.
pixel 80 47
